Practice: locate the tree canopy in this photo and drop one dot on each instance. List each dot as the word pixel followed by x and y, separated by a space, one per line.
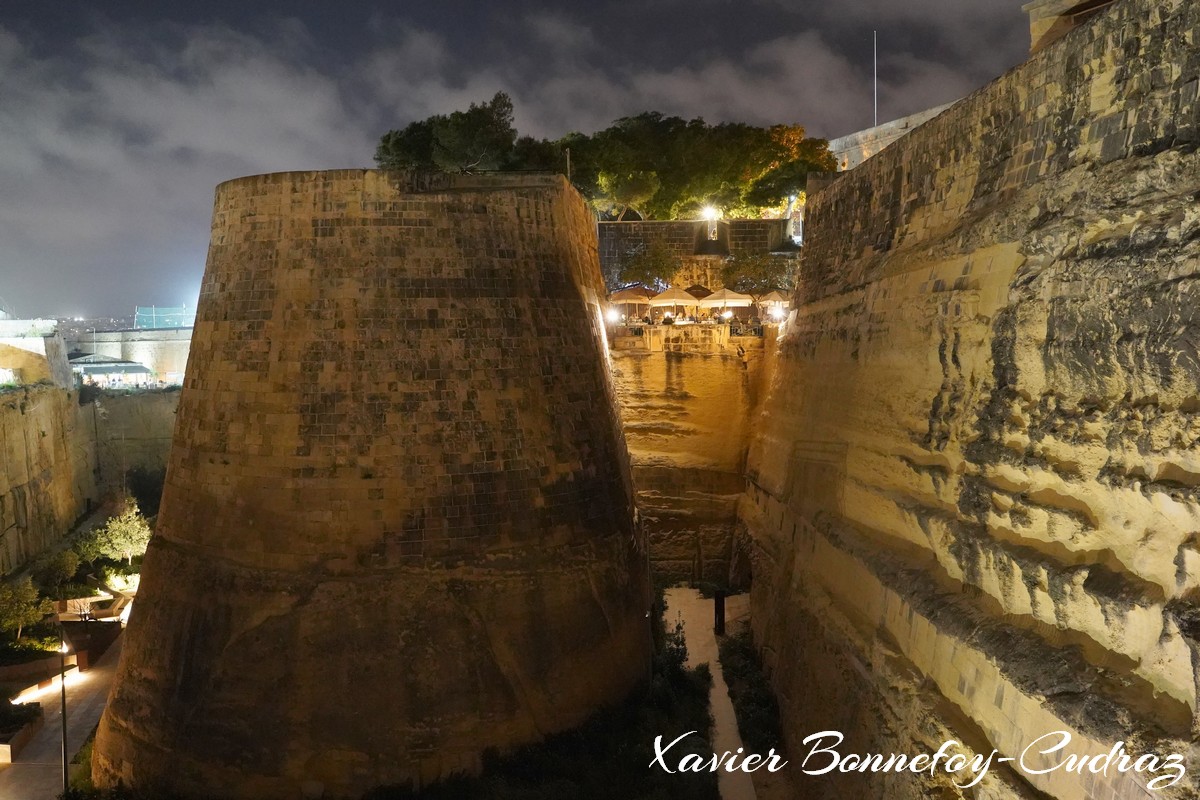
pixel 650 164
pixel 652 267
pixel 54 570
pixel 480 138
pixel 20 605
pixel 757 274
pixel 125 536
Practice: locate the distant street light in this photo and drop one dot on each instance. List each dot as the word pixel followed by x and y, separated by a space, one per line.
pixel 62 682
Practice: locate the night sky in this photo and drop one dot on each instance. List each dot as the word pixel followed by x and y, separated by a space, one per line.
pixel 118 118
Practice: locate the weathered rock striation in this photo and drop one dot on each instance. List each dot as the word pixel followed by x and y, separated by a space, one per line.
pixel 975 489
pixel 397 527
pixel 687 396
pixel 47 472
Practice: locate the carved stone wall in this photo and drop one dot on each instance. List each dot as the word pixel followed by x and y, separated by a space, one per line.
pixel 976 486
pixel 688 395
pixel 47 460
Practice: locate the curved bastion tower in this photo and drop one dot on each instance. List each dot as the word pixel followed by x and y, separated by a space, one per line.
pixel 397 527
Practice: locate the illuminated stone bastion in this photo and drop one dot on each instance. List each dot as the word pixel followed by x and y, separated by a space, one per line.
pixel 397 527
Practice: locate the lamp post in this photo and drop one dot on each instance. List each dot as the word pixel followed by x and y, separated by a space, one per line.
pixel 62 682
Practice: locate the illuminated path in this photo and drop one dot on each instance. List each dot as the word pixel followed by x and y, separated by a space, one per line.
pixel 37 772
pixel 697 613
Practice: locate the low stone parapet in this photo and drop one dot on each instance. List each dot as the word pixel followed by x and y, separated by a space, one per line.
pixel 10 748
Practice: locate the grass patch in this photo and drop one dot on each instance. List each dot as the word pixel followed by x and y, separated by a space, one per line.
pixel 754 702
pixel 81 781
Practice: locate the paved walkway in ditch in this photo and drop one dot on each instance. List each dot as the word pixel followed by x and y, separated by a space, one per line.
pixel 697 614
pixel 37 772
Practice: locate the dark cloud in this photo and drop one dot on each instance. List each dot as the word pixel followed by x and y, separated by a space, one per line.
pixel 114 130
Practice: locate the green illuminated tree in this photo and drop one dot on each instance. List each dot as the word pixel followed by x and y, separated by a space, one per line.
pixel 786 180
pixel 627 191
pixel 660 166
pixel 20 605
pixel 55 570
pixel 125 536
pixel 86 545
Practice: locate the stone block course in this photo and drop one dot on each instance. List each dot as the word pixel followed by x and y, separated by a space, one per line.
pixel 398 471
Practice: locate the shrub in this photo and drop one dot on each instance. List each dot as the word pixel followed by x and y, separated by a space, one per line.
pixel 14 716
pixel 124 537
pixel 754 702
pixel 21 605
pixel 52 572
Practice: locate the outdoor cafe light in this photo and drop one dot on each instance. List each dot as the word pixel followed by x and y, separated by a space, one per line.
pixel 614 315
pixel 727 315
pixel 778 313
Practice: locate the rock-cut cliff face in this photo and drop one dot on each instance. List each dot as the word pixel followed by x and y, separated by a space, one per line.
pixel 397 527
pixel 975 488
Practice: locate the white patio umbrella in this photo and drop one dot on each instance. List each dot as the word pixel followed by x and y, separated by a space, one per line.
pixel 636 296
pixel 727 298
pixel 776 303
pixel 673 297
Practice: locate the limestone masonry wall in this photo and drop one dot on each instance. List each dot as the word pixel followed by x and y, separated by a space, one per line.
pixel 397 527
pixel 854 148
pixel 975 491
pixel 683 237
